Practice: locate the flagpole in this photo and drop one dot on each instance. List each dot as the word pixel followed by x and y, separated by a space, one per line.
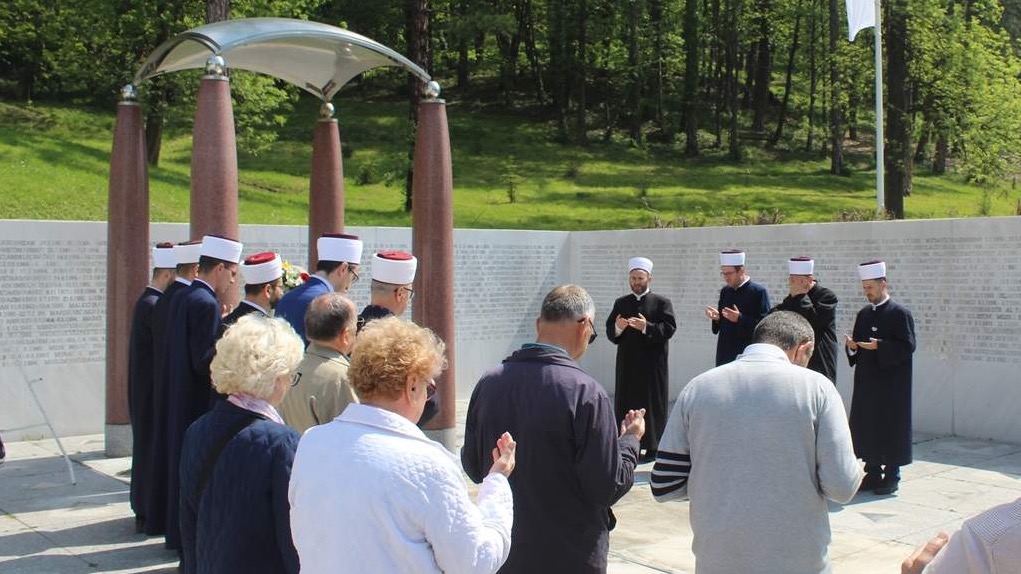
pixel 880 143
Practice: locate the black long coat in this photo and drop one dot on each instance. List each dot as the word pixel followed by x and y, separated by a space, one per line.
pixel 643 377
pixel 156 472
pixel 819 306
pixel 140 396
pixel 881 404
pixel 192 329
pixel 752 301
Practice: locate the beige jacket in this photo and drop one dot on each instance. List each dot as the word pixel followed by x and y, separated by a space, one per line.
pixel 320 390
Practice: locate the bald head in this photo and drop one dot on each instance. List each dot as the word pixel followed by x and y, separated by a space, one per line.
pixel 329 315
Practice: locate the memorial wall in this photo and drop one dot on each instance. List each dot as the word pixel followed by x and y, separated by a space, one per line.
pixel 961 279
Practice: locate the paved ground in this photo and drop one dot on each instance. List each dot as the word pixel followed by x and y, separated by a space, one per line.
pixel 49 526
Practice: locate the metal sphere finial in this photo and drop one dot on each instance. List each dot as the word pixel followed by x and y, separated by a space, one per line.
pixel 216 66
pixel 129 93
pixel 326 110
pixel 432 90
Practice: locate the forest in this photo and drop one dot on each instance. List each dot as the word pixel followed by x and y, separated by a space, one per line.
pixel 700 76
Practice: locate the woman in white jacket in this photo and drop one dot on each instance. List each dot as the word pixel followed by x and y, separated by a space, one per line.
pixel 370 493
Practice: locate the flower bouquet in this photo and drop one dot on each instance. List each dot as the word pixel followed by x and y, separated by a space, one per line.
pixel 293 275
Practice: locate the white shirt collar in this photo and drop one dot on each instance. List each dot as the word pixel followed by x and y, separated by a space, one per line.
pixel 205 283
pixel 642 294
pixel 764 351
pixel 743 283
pixel 183 281
pixel 881 303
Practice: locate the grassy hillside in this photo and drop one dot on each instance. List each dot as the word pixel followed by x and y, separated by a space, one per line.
pixel 54 164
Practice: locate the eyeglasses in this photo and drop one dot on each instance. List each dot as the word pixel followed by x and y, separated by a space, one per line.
pixel 727 273
pixel 354 274
pixel 591 338
pixel 411 292
pixel 430 388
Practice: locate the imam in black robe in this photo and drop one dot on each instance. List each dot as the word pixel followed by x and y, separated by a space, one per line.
pixel 140 397
pixel 819 307
pixel 881 403
pixel 156 472
pixel 243 308
pixel 192 328
pixel 643 379
pixel 752 301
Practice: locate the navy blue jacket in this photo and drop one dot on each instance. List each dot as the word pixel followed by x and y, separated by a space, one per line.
pixel 241 520
pixel 192 329
pixel 140 396
pixel 294 303
pixel 752 301
pixel 573 469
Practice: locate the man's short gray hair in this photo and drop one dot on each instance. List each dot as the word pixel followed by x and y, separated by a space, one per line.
pixel 785 329
pixel 327 316
pixel 565 303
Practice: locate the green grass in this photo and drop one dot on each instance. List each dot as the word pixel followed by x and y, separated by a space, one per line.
pixel 54 164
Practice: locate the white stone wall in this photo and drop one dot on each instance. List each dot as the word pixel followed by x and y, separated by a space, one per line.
pixel 961 278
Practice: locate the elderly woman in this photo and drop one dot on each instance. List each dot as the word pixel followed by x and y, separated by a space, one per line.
pixel 369 491
pixel 236 459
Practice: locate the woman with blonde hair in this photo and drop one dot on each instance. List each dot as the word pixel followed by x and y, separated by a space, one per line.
pixel 236 459
pixel 369 491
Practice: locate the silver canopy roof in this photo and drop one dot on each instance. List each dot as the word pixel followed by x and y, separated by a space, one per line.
pixel 315 57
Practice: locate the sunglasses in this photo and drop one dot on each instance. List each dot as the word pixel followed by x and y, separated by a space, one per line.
pixel 591 338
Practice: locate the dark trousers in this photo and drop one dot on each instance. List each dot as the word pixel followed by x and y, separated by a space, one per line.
pixel 889 470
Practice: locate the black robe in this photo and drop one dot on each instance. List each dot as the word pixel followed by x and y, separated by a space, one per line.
pixel 373 312
pixel 140 396
pixel 643 379
pixel 243 308
pixel 881 404
pixel 752 301
pixel 192 329
pixel 156 472
pixel 819 306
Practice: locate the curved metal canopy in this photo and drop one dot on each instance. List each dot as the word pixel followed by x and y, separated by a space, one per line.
pixel 313 56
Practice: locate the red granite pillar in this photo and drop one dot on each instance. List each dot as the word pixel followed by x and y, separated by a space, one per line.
pixel 214 160
pixel 326 188
pixel 127 261
pixel 433 244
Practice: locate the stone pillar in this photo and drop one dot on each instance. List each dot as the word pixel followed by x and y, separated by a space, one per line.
pixel 432 235
pixel 214 161
pixel 127 261
pixel 326 185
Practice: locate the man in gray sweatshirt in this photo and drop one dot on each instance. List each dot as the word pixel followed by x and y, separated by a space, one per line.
pixel 757 446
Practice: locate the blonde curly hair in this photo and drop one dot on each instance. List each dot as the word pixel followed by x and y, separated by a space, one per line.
pixel 253 354
pixel 387 351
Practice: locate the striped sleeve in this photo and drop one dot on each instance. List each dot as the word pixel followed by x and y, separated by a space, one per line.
pixel 670 476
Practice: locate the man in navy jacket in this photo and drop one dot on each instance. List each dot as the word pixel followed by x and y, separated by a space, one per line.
pixel 575 462
pixel 337 268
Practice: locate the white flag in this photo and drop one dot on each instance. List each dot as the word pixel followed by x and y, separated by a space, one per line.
pixel 861 14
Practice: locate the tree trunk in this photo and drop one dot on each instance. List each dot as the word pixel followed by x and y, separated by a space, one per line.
pixel 527 27
pixel 790 75
pixel 691 52
pixel 656 20
pixel 719 76
pixel 558 62
pixel 734 144
pixel 463 65
pixel 813 75
pixel 580 129
pixel 898 130
pixel 836 112
pixel 763 70
pixel 217 11
pixel 939 159
pixel 634 99
pixel 923 143
pixel 417 28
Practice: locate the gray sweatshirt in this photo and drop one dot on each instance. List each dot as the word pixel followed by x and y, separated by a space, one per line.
pixel 758 445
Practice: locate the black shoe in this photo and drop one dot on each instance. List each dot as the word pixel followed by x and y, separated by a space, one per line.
pixel 647 457
pixel 871 481
pixel 889 486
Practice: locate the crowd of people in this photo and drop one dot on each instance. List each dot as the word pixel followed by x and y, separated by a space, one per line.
pixel 285 434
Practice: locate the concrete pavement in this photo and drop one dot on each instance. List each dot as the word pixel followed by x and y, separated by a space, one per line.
pixel 49 526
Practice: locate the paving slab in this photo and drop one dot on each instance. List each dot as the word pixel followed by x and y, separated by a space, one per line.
pixel 49 526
